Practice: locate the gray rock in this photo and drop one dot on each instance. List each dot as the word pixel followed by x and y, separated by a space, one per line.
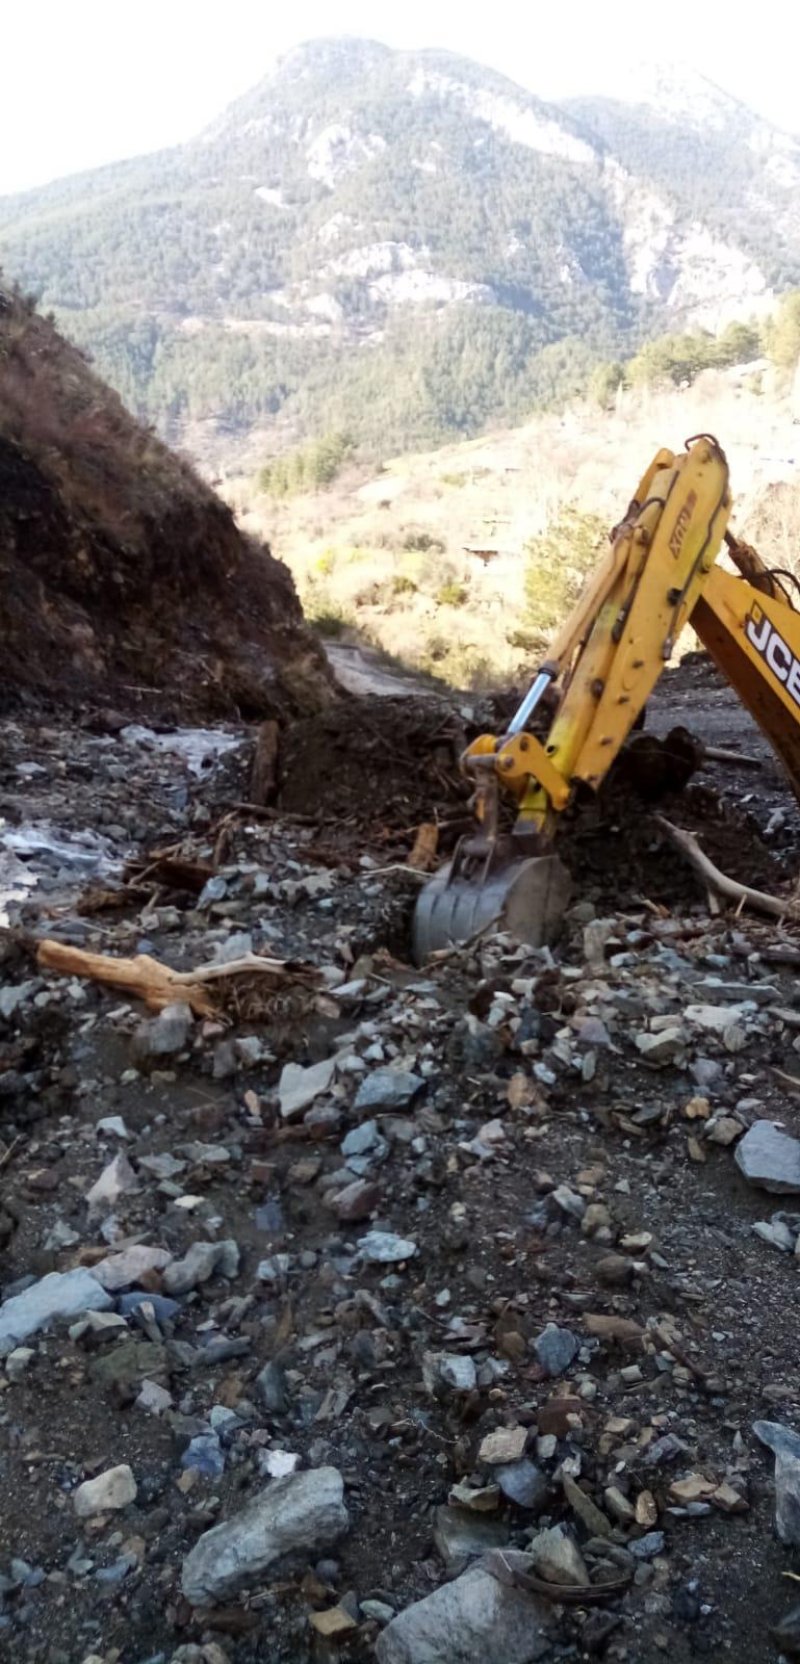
pixel 785 1444
pixel 555 1349
pixel 60 1294
pixel 116 1180
pixel 118 1271
pixel 388 1089
pixel 272 1390
pixel 112 1126
pixel 705 1072
pixel 164 1166
pixel 166 1035
pixel 647 1547
pixel 19 1361
pixel 461 1536
pixel 769 1158
pixel 13 995
pixel 468 1621
pixel 448 1372
pixel 377 1609
pixel 557 1558
pixel 384 1248
pixel 298 1087
pixel 523 1483
pixel 661 1049
pixel 360 1139
pixel 302 1513
pixel 776 1233
pixel 163 1309
pixel 200 1262
pixel 107 1494
pixel 205 1453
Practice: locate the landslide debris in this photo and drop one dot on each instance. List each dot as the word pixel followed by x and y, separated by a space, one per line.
pixel 121 573
pixel 406 1316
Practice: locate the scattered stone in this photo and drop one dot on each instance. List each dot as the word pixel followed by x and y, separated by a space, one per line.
pixel 523 1483
pixel 61 1294
pixel 302 1513
pixel 201 1262
pixel 445 1372
pixel 769 1158
pixel 593 1517
pixel 606 1326
pixel 19 1361
pixel 356 1201
pixel 205 1454
pixel 725 1130
pixel 776 1233
pixel 647 1547
pixel 119 1271
pixel 557 1558
pixel 107 1494
pixel 379 1610
pixel 361 1139
pixel 614 1271
pixel 505 1444
pixel 165 1035
pixel 332 1622
pixel 462 1535
pixel 154 1398
pixel 646 1510
pixel 482 1499
pixel 143 1305
pixel 388 1089
pixel 661 1049
pixel 487 1619
pixel 384 1248
pixel 697 1109
pixel 272 1389
pixel 116 1180
pixel 618 1505
pixel 112 1126
pixel 298 1087
pixel 785 1445
pixel 556 1349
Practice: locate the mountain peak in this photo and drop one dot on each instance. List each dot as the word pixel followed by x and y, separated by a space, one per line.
pixel 405 245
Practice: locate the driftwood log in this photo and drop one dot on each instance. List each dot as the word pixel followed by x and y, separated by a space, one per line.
pixel 158 985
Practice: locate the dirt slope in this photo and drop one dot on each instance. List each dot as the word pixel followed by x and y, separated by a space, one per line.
pixel 120 572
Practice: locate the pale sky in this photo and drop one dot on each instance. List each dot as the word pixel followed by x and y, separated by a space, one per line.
pixel 84 82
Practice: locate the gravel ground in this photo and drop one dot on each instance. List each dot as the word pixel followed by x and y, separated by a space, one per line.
pixel 504 1217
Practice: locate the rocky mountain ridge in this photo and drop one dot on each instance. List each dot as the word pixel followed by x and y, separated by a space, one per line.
pixel 407 245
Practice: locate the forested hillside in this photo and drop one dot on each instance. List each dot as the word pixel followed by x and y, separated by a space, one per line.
pixel 403 247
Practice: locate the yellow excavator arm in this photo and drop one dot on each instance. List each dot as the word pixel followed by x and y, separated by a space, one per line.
pixel 659 574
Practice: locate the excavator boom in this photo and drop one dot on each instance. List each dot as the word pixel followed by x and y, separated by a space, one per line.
pixel 658 575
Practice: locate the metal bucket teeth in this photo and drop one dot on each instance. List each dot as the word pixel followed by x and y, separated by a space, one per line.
pixel 527 898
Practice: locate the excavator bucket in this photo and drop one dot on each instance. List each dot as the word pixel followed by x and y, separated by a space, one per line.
pixel 526 897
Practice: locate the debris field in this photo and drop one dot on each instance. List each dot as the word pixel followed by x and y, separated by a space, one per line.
pixel 355 1310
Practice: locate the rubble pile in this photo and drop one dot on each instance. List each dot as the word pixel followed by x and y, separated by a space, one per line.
pixel 416 1315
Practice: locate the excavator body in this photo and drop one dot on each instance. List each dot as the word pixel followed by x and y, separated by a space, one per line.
pixel 659 574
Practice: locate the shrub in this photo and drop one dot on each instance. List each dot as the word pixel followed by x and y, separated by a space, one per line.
pixel 423 543
pixel 557 564
pixel 452 595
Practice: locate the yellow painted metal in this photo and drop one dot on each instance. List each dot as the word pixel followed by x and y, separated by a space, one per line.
pixel 662 556
pixel 754 639
pixel 522 756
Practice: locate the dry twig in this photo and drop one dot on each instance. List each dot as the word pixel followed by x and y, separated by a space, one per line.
pixel 742 894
